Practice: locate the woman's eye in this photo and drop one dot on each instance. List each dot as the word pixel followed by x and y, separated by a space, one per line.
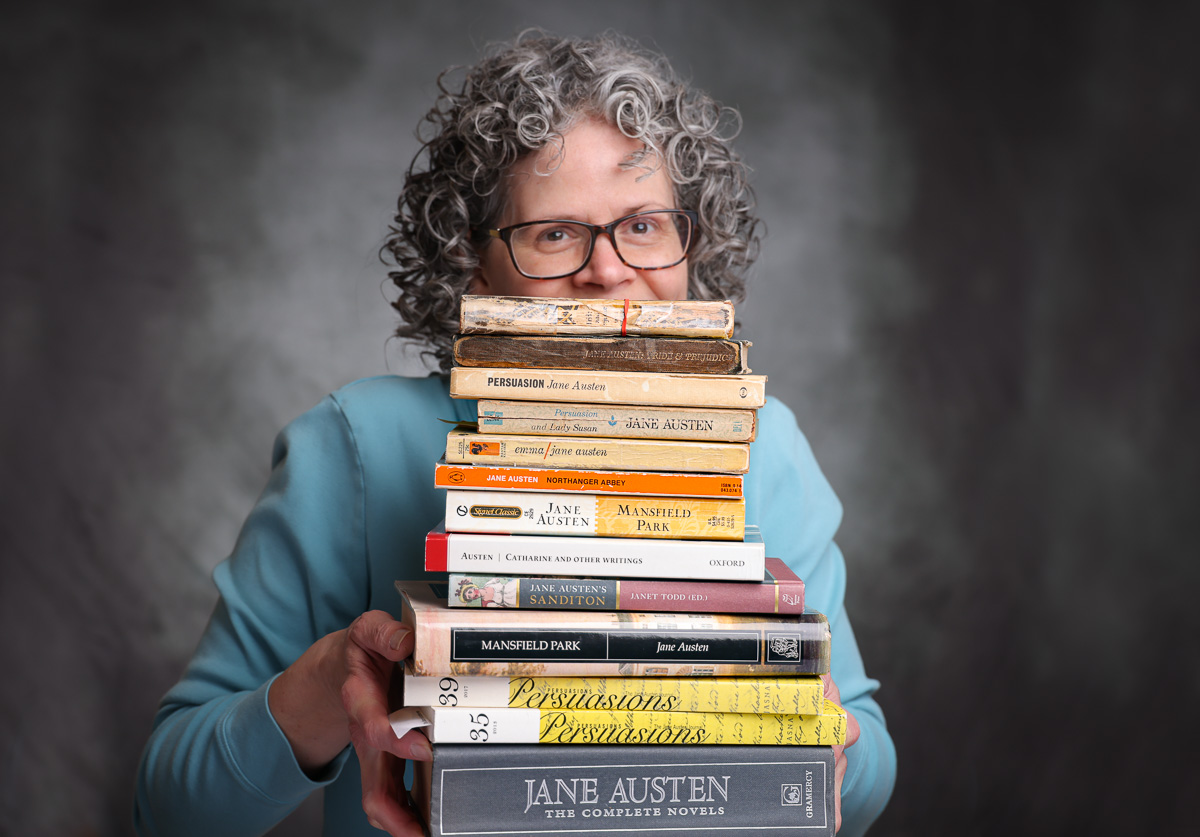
pixel 640 227
pixel 556 235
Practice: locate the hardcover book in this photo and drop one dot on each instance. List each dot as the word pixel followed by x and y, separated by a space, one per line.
pixel 547 418
pixel 621 354
pixel 586 480
pixel 603 515
pixel 781 591
pixel 512 725
pixel 577 385
pixel 469 446
pixel 495 554
pixel 781 695
pixel 599 791
pixel 548 315
pixel 451 642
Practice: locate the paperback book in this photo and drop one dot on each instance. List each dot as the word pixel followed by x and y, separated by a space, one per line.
pixel 623 317
pixel 601 515
pixel 577 385
pixel 781 591
pixel 496 554
pixel 549 418
pixel 598 791
pixel 623 354
pixel 586 480
pixel 469 446
pixel 590 642
pixel 777 695
pixel 513 725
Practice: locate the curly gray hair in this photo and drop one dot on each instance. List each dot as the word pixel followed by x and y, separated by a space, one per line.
pixel 523 97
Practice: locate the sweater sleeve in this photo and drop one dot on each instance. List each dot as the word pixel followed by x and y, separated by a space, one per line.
pixel 216 761
pixel 798 514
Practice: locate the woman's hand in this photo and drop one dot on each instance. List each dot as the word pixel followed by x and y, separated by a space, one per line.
pixel 839 750
pixel 375 643
pixel 337 693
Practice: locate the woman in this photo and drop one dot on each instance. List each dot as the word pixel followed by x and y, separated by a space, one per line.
pixel 296 662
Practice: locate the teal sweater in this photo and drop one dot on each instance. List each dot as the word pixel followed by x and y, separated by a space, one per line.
pixel 343 515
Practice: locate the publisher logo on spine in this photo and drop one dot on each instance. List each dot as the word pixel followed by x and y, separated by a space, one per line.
pixel 806 796
pixel 505 512
pixel 791 795
pixel 782 648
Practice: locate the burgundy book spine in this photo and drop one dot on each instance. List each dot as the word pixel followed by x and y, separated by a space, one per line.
pixel 783 594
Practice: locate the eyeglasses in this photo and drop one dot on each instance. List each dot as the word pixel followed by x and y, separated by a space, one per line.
pixel 652 240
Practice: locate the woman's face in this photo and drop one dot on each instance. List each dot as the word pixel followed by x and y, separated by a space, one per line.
pixel 588 184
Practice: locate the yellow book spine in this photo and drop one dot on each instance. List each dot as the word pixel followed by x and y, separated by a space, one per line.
pixel 666 517
pixel 606 727
pixel 458 725
pixel 468 447
pixel 792 695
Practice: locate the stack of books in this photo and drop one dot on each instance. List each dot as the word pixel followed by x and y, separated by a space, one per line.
pixel 604 590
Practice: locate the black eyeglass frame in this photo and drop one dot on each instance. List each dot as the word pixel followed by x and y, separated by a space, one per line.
pixel 505 235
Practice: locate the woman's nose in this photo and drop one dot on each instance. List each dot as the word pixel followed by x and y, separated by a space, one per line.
pixel 605 268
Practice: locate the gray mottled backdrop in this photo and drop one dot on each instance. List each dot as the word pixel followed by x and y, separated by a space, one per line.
pixel 978 292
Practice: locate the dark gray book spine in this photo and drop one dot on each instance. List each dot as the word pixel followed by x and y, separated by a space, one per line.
pixel 708 355
pixel 584 791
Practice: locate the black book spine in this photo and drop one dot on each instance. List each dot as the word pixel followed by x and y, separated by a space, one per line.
pixel 591 791
pixel 791 647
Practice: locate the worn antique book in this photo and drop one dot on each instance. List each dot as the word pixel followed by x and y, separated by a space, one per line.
pixel 499 554
pixel 623 354
pixel 579 385
pixel 498 643
pixel 780 592
pixel 586 480
pixel 602 515
pixel 525 725
pixel 548 315
pixel 786 695
pixel 469 446
pixel 548 418
pixel 606 790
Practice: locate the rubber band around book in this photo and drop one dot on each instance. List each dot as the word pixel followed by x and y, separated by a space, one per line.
pixel 625 318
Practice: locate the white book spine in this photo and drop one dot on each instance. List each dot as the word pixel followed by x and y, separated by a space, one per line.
pixel 468 511
pixel 464 690
pixel 506 725
pixel 605 557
